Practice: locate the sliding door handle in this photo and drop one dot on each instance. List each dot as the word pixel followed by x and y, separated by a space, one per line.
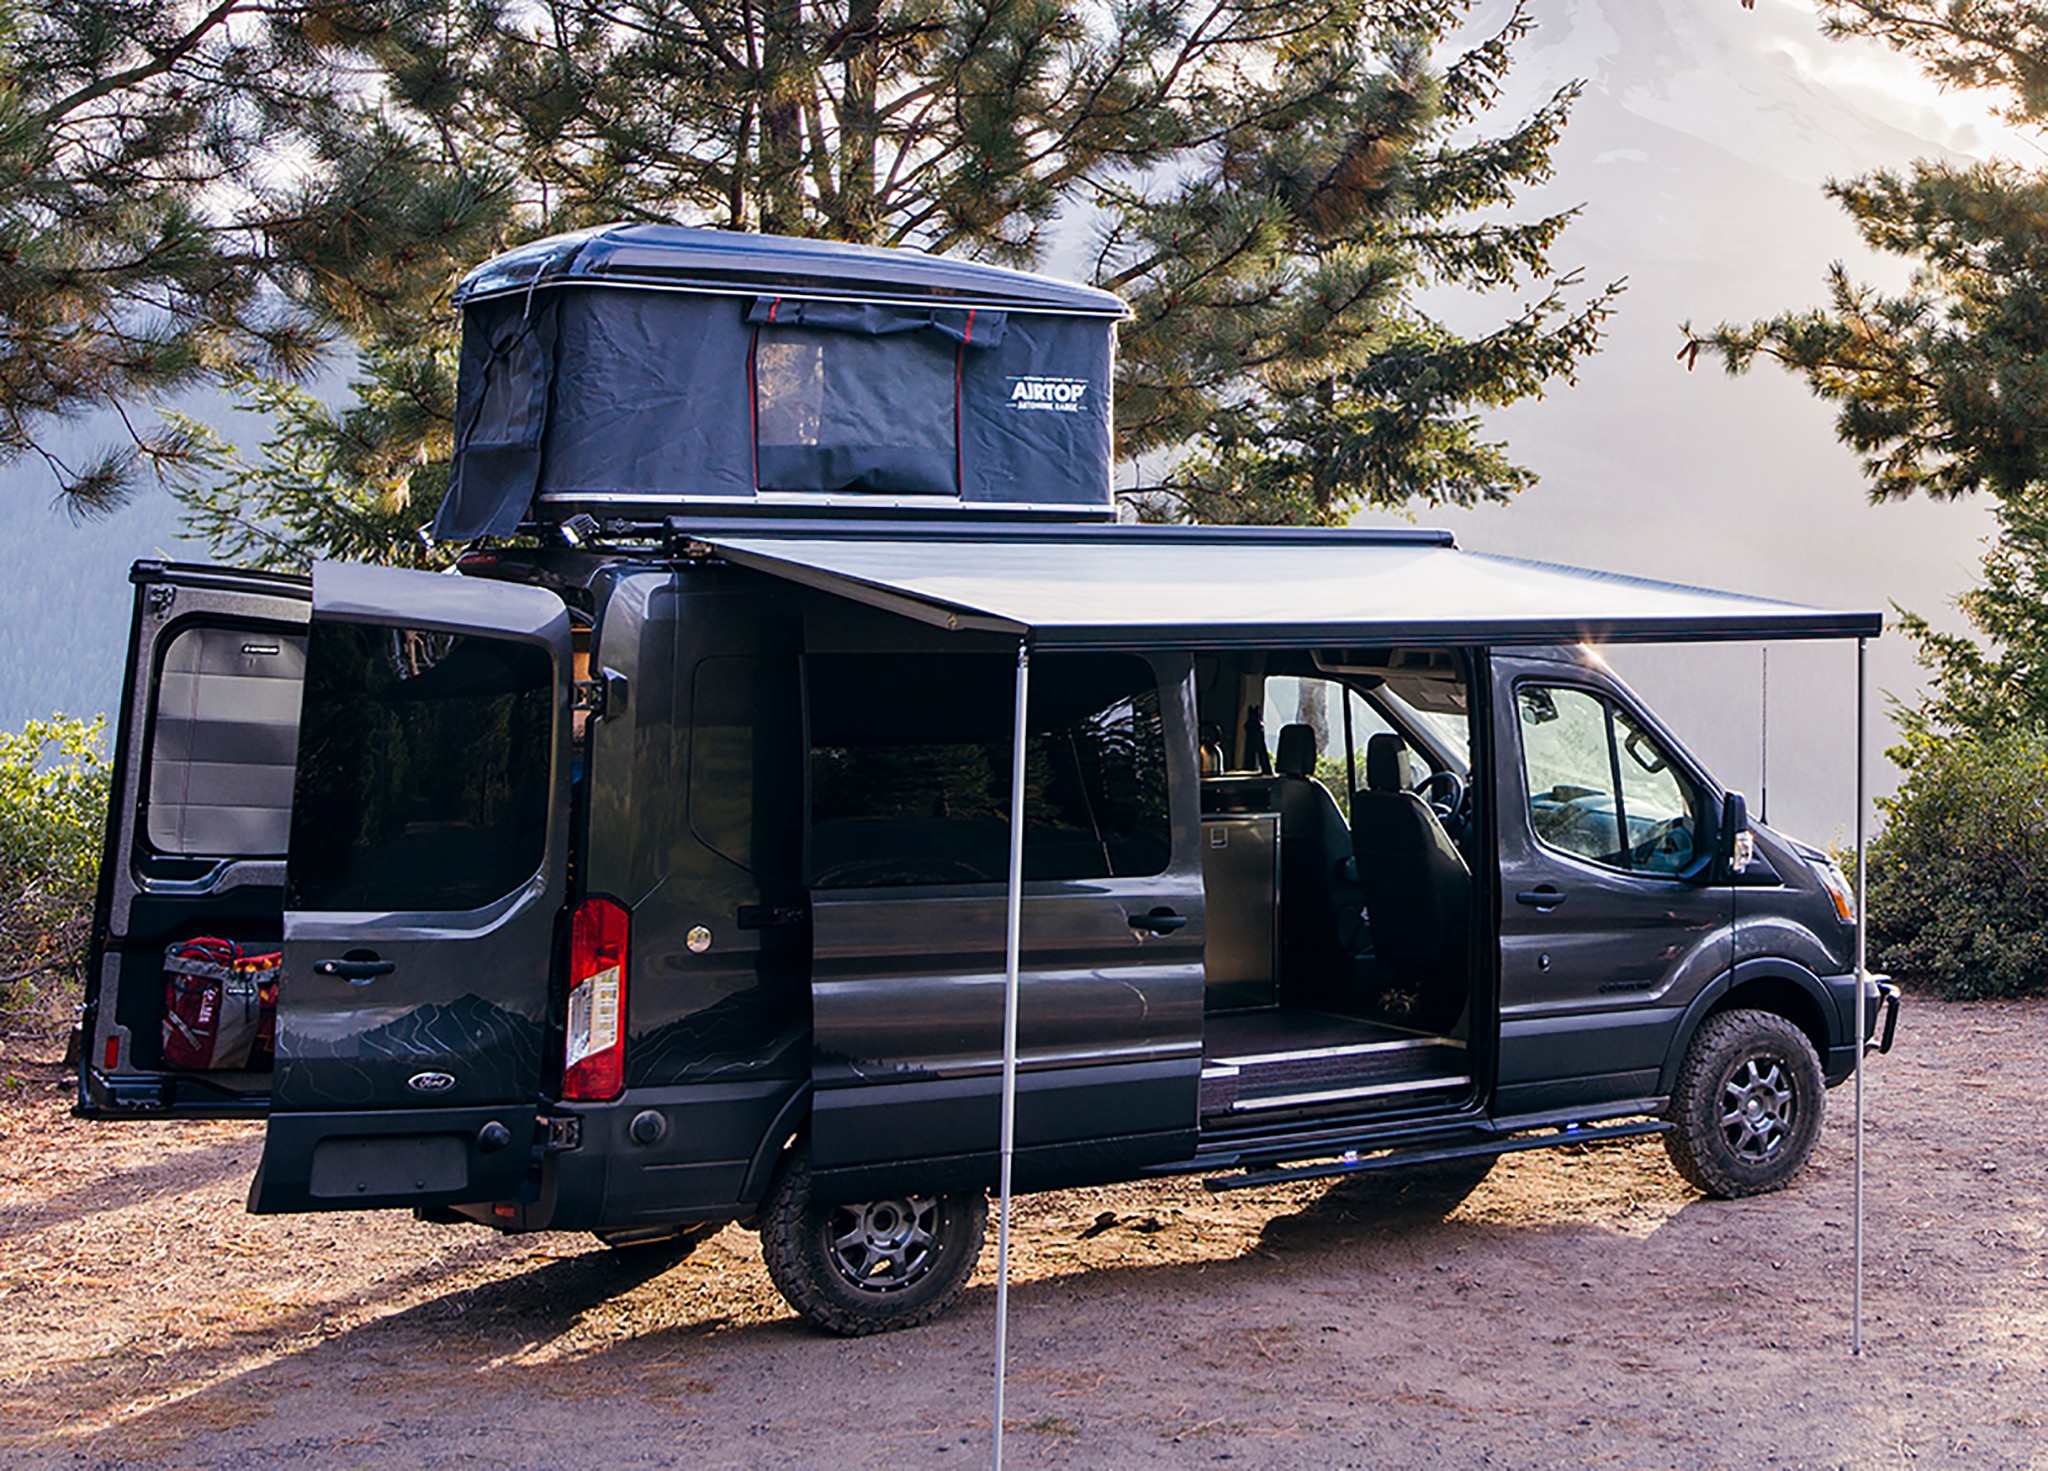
pixel 1160 921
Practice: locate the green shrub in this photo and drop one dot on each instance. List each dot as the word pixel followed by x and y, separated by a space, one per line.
pixel 53 808
pixel 1959 876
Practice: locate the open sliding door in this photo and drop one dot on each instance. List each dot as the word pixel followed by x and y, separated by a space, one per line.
pixel 908 854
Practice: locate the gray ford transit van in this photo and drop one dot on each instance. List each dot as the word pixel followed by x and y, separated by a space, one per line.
pixel 651 872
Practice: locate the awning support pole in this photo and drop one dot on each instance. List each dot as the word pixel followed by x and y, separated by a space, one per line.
pixel 1862 974
pixel 1012 951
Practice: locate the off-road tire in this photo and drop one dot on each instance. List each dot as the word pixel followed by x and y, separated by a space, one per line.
pixel 810 1248
pixel 1747 1107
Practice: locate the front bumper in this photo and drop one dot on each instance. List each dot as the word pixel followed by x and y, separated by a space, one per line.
pixel 1884 998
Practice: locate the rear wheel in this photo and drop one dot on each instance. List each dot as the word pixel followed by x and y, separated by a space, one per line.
pixel 1747 1108
pixel 868 1266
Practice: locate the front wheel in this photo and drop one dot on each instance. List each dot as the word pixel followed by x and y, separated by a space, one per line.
pixel 868 1266
pixel 1747 1108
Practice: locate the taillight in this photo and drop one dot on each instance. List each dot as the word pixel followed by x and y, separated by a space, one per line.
pixel 594 1060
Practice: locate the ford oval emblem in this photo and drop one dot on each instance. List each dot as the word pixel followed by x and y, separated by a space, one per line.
pixel 430 1082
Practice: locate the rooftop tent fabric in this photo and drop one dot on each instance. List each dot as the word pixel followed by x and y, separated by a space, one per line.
pixel 1166 587
pixel 1035 425
pixel 501 412
pixel 581 389
pixel 969 326
pixel 650 397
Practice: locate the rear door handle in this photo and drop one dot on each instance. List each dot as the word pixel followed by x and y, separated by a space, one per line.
pixel 1543 898
pixel 1159 922
pixel 356 972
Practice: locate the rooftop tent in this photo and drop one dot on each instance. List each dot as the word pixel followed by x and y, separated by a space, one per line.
pixel 639 370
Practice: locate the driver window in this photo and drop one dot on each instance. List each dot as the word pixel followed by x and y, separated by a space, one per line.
pixel 1600 788
pixel 1657 803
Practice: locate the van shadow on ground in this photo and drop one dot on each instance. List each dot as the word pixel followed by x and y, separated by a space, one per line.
pixel 586 1326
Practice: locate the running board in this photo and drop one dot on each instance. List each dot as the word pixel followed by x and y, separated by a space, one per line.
pixel 1322 1076
pixel 1395 1158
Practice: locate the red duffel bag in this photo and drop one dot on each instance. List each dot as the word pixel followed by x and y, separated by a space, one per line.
pixel 219 1004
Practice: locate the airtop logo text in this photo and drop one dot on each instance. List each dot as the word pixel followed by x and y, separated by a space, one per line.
pixel 1058 395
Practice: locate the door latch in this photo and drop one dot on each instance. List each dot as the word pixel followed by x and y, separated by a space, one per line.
pixel 603 696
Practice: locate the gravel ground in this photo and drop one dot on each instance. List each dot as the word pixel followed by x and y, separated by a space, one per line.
pixel 1581 1307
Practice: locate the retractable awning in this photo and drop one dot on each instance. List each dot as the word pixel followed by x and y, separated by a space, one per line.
pixel 1067 587
pixel 1209 587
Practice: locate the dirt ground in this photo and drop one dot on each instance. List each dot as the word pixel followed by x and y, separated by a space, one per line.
pixel 1579 1308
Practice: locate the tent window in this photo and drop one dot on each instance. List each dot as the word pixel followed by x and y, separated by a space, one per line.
pixel 836 411
pixel 910 769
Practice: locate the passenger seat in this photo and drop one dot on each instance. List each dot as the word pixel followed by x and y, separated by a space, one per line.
pixel 1322 926
pixel 1418 891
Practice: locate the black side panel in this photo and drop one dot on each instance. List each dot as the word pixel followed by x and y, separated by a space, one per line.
pixel 196 823
pixel 696 792
pixel 907 976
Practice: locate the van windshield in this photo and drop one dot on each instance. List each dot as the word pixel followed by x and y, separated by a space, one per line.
pixel 422 779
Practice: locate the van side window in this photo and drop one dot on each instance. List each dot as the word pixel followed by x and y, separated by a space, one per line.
pixel 423 769
pixel 910 769
pixel 1600 788
pixel 1319 704
pixel 223 735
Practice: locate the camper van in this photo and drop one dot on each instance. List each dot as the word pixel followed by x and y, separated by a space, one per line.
pixel 655 868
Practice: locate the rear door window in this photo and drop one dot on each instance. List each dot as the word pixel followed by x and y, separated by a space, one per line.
pixel 423 770
pixel 222 739
pixel 910 769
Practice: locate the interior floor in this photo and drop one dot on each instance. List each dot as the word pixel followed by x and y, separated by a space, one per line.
pixel 1258 1061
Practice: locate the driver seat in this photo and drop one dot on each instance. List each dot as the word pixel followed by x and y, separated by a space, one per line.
pixel 1418 891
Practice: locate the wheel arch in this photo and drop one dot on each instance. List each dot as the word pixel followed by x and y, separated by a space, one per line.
pixel 1767 983
pixel 792 1123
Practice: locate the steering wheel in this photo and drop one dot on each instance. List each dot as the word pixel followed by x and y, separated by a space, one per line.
pixel 1451 800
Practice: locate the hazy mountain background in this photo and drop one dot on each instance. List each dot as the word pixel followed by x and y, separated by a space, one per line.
pixel 1698 151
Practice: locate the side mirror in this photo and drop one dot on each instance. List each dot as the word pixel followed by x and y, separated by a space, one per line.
pixel 1732 840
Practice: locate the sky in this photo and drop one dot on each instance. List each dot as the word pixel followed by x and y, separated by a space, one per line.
pixel 1697 154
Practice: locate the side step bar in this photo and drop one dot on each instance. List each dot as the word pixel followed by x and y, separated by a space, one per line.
pixel 1395 1158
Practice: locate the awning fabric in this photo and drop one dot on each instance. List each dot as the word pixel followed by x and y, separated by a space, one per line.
pixel 1210 587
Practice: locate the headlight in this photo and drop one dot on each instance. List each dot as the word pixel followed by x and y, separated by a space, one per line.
pixel 1838 890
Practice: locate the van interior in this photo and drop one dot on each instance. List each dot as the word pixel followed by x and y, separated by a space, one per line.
pixel 1339 839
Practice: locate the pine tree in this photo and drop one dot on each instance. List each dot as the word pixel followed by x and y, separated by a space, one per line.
pixel 1272 183
pixel 192 193
pixel 1942 387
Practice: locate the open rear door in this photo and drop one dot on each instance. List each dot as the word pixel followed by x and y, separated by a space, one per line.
pixel 427 867
pixel 196 827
